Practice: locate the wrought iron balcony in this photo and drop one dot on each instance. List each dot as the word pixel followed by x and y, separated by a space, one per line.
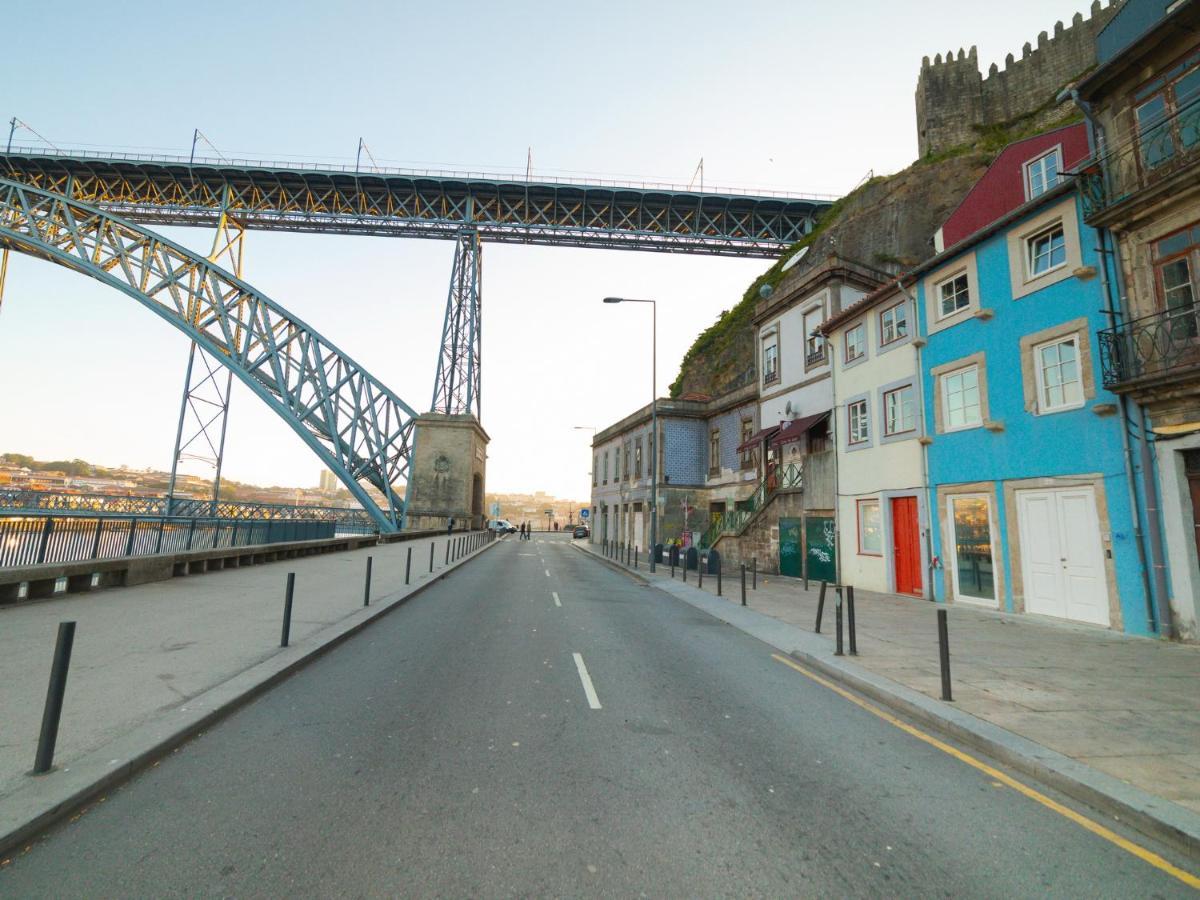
pixel 1142 162
pixel 1159 347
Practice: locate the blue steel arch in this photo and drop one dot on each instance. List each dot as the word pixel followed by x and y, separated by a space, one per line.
pixel 357 426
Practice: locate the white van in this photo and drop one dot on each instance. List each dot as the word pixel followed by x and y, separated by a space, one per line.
pixel 502 526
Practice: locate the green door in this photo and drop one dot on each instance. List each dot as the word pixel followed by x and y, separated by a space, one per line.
pixel 820 548
pixel 790 558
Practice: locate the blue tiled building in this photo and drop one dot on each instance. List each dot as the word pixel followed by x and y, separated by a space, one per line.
pixel 1029 476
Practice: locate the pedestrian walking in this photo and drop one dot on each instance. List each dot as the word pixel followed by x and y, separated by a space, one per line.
pixel 450 527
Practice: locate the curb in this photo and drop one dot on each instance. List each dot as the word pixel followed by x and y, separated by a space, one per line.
pixel 1153 816
pixel 34 809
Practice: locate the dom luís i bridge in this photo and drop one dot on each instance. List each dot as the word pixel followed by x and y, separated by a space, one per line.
pixel 95 213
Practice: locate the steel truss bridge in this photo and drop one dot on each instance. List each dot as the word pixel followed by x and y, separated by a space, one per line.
pixel 89 212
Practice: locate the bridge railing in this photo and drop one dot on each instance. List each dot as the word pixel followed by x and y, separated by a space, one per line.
pixel 350 520
pixel 29 540
pixel 346 168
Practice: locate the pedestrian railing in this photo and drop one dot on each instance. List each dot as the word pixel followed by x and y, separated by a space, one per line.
pixel 783 478
pixel 33 539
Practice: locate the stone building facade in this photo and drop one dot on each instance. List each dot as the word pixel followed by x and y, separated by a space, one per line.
pixel 955 102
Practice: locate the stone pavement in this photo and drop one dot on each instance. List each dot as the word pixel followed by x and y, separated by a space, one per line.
pixel 142 653
pixel 1127 706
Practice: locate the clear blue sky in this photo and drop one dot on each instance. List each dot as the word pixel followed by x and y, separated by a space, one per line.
pixel 804 95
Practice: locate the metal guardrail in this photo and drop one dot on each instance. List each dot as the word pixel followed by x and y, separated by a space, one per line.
pixel 1149 157
pixel 29 540
pixel 785 478
pixel 21 499
pixel 359 170
pixel 1154 345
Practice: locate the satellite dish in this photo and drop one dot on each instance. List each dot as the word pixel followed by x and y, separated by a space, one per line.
pixel 796 257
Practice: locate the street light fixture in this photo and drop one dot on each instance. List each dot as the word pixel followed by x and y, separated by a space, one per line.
pixel 653 419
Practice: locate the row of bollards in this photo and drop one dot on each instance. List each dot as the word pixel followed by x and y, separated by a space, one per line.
pixel 65 642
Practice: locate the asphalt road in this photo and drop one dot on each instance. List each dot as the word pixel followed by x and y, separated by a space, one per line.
pixel 452 749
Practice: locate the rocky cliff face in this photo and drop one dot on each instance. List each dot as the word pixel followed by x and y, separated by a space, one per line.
pixel 887 223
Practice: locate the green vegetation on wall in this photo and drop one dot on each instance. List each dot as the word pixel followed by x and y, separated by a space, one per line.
pixel 718 339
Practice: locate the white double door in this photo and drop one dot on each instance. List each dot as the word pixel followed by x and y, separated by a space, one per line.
pixel 1061 554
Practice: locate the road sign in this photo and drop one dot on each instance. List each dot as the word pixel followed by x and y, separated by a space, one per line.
pixel 584 513
pixel 549 512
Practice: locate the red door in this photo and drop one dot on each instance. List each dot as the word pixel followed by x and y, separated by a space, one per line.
pixel 906 545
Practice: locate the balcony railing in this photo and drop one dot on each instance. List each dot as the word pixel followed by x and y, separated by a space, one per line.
pixel 1159 345
pixel 785 478
pixel 1156 153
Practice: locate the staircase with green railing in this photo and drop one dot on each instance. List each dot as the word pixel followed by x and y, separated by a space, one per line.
pixel 784 478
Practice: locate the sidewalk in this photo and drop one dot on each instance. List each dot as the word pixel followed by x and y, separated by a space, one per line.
pixel 1124 706
pixel 153 661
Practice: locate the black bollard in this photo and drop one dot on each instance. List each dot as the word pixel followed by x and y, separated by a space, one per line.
pixel 720 570
pixel 672 565
pixel 431 557
pixel 837 608
pixel 944 653
pixel 635 556
pixel 408 566
pixel 446 561
pixel 743 584
pixel 683 566
pixel 820 608
pixel 287 610
pixel 850 620
pixel 700 574
pixel 55 691
pixel 754 579
pixel 367 586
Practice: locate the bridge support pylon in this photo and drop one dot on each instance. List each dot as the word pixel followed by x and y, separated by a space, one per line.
pixel 204 408
pixel 448 474
pixel 456 386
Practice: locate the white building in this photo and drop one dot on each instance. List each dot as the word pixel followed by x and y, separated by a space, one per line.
pixel 882 514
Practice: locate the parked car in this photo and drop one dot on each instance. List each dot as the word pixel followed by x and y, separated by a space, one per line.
pixel 502 526
pixel 581 531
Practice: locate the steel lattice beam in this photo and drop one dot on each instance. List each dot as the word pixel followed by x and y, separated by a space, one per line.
pixel 456 386
pixel 437 205
pixel 357 426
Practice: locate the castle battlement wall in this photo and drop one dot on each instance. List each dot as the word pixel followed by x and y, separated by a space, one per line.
pixel 955 101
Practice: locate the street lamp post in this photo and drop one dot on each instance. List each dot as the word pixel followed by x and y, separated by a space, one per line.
pixel 653 420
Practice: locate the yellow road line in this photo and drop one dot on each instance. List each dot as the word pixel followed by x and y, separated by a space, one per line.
pixel 1083 821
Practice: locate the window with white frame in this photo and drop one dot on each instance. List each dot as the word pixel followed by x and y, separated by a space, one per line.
pixel 953 295
pixel 870 528
pixel 814 343
pixel 606 467
pixel 859 429
pixel 714 451
pixel 1046 250
pixel 595 469
pixel 1056 365
pixel 960 399
pixel 893 323
pixel 770 359
pixel 1042 173
pixel 899 410
pixel 856 341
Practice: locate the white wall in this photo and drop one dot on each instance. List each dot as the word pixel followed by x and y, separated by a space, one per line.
pixel 885 468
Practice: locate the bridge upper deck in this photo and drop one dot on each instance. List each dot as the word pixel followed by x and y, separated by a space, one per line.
pixel 164 190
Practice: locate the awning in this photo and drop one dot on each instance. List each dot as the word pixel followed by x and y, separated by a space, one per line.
pixel 757 438
pixel 797 428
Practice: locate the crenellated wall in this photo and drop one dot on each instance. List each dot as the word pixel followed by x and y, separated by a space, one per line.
pixel 955 101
